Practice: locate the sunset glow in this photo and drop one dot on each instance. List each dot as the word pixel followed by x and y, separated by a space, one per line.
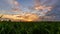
pixel 28 10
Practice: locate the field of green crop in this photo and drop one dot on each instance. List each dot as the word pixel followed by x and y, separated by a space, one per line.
pixel 29 27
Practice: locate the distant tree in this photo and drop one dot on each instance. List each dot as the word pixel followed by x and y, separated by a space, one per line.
pixel 9 20
pixel 1 16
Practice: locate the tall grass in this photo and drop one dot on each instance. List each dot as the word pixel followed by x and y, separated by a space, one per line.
pixel 29 27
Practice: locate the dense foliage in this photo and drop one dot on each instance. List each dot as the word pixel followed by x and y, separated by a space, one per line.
pixel 29 27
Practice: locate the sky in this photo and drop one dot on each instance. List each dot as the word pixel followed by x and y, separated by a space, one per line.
pixel 23 4
pixel 5 5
